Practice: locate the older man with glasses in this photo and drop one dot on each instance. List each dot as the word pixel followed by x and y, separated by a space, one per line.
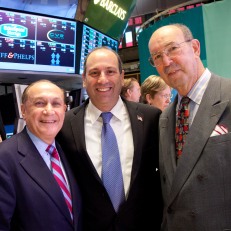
pixel 195 138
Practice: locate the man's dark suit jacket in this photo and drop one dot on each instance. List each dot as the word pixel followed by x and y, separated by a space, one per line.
pixel 142 210
pixel 30 198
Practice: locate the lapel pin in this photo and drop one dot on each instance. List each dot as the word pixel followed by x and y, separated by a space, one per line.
pixel 139 118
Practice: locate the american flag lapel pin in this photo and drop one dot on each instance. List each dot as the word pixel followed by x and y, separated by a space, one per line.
pixel 139 118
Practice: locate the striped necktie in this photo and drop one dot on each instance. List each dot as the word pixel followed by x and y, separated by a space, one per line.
pixel 59 177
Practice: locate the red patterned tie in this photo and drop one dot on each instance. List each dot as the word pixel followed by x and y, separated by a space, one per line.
pixel 58 174
pixel 182 125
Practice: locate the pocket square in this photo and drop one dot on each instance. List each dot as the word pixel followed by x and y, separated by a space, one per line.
pixel 219 130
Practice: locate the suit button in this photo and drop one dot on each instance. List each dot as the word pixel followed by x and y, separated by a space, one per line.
pixel 193 213
pixel 200 177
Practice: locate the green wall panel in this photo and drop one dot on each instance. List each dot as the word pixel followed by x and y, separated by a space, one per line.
pixel 193 18
pixel 217 27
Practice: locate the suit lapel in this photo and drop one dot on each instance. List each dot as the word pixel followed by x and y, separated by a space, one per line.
pixel 167 132
pixel 36 168
pixel 77 126
pixel 75 192
pixel 208 114
pixel 136 119
pixel 137 129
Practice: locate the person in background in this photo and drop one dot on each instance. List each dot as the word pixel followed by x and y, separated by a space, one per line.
pixel 131 90
pixel 195 151
pixel 155 92
pixel 30 197
pixel 136 130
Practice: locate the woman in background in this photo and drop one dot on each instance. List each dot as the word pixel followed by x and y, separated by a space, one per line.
pixel 155 92
pixel 131 90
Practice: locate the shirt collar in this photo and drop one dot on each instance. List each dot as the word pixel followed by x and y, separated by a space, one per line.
pixel 39 144
pixel 94 112
pixel 197 91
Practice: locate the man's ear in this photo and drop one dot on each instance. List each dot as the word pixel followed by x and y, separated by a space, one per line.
pixel 122 77
pixel 196 47
pixel 23 110
pixel 84 79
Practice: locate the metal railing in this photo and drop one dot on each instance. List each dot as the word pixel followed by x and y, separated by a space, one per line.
pixel 167 12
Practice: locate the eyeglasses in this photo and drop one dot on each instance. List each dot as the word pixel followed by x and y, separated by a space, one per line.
pixel 167 96
pixel 172 50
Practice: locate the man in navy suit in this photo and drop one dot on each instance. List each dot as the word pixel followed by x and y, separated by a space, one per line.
pixel 30 197
pixel 196 183
pixel 136 129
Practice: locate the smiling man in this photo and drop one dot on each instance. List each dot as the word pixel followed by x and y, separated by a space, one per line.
pixel 195 135
pixel 135 127
pixel 31 195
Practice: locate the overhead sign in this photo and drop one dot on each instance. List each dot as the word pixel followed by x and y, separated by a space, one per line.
pixel 112 7
pixel 109 16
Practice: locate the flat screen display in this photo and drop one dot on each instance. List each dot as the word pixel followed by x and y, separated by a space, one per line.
pixel 37 43
pixel 128 39
pixel 92 38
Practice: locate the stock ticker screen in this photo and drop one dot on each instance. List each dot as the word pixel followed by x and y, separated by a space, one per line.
pixel 92 38
pixel 37 43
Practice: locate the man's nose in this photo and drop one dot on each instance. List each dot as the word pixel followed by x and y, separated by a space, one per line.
pixel 48 109
pixel 102 77
pixel 166 60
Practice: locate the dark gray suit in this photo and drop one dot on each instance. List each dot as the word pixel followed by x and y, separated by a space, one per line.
pixel 142 210
pixel 30 198
pixel 197 192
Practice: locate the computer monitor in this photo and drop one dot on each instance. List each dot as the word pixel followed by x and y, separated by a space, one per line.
pixel 92 38
pixel 30 42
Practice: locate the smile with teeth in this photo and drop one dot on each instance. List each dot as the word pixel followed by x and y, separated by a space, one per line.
pixel 104 89
pixel 48 121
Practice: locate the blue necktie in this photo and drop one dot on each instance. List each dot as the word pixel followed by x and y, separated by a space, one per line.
pixel 111 168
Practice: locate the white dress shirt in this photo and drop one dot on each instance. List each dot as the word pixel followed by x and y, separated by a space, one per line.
pixel 41 147
pixel 196 94
pixel 120 122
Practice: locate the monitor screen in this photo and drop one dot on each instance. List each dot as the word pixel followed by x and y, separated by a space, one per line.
pixel 128 38
pixel 32 42
pixel 92 38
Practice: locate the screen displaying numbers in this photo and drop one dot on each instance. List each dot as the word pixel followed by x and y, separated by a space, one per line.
pixel 92 38
pixel 37 43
